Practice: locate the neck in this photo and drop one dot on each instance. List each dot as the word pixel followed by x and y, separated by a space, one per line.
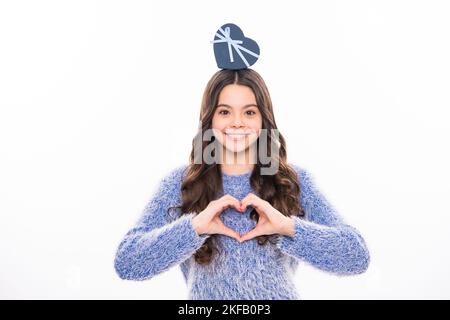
pixel 234 163
pixel 235 169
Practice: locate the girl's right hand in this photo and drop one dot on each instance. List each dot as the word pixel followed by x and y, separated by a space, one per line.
pixel 209 222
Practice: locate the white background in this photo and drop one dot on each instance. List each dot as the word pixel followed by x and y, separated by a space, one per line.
pixel 100 99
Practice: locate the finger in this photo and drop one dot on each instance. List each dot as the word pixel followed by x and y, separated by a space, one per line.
pixel 251 195
pixel 238 206
pixel 230 201
pixel 244 203
pixel 228 197
pixel 252 199
pixel 251 234
pixel 230 232
pixel 222 203
pixel 248 202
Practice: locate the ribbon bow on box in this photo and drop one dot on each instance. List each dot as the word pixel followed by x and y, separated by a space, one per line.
pixel 230 37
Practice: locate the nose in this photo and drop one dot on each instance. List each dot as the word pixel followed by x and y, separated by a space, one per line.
pixel 237 121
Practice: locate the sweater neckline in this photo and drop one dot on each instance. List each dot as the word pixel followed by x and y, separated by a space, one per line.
pixel 236 176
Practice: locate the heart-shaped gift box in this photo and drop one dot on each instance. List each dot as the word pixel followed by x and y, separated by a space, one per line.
pixel 232 49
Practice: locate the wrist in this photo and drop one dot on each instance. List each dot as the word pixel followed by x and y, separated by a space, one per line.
pixel 289 227
pixel 196 226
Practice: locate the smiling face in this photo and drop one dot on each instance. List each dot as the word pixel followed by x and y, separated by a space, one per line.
pixel 237 120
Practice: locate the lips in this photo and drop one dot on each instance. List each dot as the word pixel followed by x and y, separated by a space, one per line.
pixel 236 136
pixel 247 132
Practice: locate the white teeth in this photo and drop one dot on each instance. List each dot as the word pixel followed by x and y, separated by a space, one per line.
pixel 237 134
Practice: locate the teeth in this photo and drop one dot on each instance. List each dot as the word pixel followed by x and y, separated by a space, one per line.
pixel 237 137
pixel 237 134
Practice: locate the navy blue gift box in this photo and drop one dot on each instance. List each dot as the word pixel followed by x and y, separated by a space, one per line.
pixel 232 49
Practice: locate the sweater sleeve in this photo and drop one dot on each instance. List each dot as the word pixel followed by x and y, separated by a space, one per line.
pixel 323 239
pixel 158 241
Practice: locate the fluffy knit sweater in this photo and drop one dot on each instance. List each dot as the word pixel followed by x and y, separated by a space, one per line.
pixel 240 271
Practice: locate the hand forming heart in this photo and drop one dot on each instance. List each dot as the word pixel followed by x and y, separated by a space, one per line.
pixel 271 221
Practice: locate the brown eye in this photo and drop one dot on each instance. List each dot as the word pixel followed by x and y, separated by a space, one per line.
pixel 221 112
pixel 251 112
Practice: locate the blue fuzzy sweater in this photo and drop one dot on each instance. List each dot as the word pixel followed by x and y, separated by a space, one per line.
pixel 242 271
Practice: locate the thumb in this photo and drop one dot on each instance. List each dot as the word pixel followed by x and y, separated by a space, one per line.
pixel 229 232
pixel 251 234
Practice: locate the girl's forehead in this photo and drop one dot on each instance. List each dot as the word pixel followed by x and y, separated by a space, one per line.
pixel 237 97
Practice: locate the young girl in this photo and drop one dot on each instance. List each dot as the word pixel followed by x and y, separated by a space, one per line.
pixel 236 232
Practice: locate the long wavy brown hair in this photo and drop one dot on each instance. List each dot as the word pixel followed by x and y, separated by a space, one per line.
pixel 203 182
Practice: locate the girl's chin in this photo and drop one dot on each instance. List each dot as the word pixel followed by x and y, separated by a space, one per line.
pixel 236 146
pixel 236 150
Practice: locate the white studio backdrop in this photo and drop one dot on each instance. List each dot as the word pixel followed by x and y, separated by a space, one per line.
pixel 100 99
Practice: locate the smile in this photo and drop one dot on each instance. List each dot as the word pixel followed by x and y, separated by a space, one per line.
pixel 237 136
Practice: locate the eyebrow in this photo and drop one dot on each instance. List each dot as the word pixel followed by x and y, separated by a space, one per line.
pixel 228 106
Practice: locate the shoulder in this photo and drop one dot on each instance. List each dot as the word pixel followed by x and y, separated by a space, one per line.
pixel 175 173
pixel 304 176
pixel 309 193
pixel 167 192
pixel 171 180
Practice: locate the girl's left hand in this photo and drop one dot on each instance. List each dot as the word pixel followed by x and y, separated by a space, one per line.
pixel 271 221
